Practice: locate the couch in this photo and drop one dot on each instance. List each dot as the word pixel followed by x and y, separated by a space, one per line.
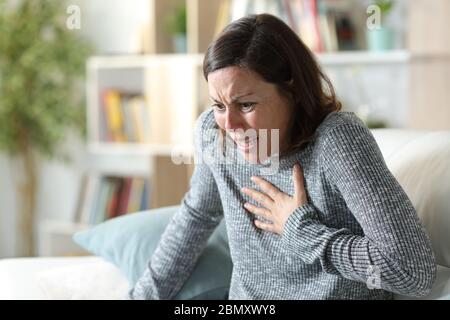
pixel 420 160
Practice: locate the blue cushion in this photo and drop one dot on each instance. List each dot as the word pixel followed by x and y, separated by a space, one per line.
pixel 129 241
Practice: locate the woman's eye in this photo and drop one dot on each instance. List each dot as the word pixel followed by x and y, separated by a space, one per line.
pixel 246 107
pixel 218 107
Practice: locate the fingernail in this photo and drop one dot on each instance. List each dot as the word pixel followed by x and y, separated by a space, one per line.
pixel 253 178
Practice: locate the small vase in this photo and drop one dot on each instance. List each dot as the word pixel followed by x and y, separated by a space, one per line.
pixel 380 39
pixel 180 43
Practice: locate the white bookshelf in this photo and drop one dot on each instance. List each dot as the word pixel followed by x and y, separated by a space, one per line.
pixel 172 85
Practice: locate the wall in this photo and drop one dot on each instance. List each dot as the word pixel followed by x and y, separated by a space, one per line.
pixel 57 192
pixel 114 26
pixel 381 90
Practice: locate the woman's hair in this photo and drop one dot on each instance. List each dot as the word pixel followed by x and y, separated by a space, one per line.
pixel 266 45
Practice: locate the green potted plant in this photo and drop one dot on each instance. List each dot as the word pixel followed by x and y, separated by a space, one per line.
pixel 177 28
pixel 381 37
pixel 41 64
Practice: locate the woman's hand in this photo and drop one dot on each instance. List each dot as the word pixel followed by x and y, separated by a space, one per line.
pixel 277 206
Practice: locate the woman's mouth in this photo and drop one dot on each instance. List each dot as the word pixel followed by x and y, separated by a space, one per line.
pixel 246 144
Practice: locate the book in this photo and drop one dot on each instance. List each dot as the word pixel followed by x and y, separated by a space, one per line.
pixel 99 209
pixel 129 127
pixel 145 197
pixel 81 198
pixel 318 44
pixel 124 196
pixel 113 203
pixel 127 117
pixel 140 118
pixel 145 120
pixel 223 16
pixel 291 20
pixel 323 25
pixel 137 187
pixel 90 196
pixel 308 27
pixel 114 116
pixel 327 27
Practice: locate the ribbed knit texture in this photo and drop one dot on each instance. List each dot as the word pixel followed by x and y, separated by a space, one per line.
pixel 358 219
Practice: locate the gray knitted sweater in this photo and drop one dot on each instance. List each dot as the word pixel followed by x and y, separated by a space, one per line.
pixel 358 237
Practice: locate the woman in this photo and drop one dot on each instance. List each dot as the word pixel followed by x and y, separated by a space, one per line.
pixel 330 223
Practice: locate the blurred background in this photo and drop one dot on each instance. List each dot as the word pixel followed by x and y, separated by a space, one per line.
pixel 99 97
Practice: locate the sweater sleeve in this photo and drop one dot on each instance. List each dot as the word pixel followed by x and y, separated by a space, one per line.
pixel 395 247
pixel 185 236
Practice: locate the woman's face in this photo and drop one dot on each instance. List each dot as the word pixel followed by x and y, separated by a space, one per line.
pixel 242 100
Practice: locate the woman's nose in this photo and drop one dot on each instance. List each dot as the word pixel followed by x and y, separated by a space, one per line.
pixel 232 120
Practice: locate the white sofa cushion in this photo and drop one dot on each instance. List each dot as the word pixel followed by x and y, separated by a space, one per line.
pixel 94 280
pixel 60 278
pixel 421 163
pixel 17 276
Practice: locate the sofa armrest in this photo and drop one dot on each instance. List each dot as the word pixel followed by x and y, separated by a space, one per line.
pixel 32 278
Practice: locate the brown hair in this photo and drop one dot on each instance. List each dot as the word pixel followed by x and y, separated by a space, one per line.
pixel 266 45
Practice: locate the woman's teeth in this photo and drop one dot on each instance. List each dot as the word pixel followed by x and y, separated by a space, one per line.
pixel 246 144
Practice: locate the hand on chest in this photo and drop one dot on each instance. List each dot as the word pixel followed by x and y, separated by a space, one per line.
pixel 275 199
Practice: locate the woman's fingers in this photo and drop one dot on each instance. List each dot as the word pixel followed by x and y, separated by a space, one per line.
pixel 268 188
pixel 274 205
pixel 265 226
pixel 260 197
pixel 257 210
pixel 299 184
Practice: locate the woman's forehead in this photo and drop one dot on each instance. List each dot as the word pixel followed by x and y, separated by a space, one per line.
pixel 235 82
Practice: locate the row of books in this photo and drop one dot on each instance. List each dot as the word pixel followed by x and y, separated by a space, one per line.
pixel 323 25
pixel 107 197
pixel 124 117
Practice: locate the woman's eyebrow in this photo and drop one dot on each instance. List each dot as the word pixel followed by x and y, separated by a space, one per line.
pixel 235 98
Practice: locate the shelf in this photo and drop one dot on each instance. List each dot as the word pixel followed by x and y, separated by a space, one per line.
pixel 364 57
pixel 141 61
pixel 138 149
pixel 63 227
pixel 327 58
pixel 55 238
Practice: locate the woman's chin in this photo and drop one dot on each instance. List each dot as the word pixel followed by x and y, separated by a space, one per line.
pixel 251 155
